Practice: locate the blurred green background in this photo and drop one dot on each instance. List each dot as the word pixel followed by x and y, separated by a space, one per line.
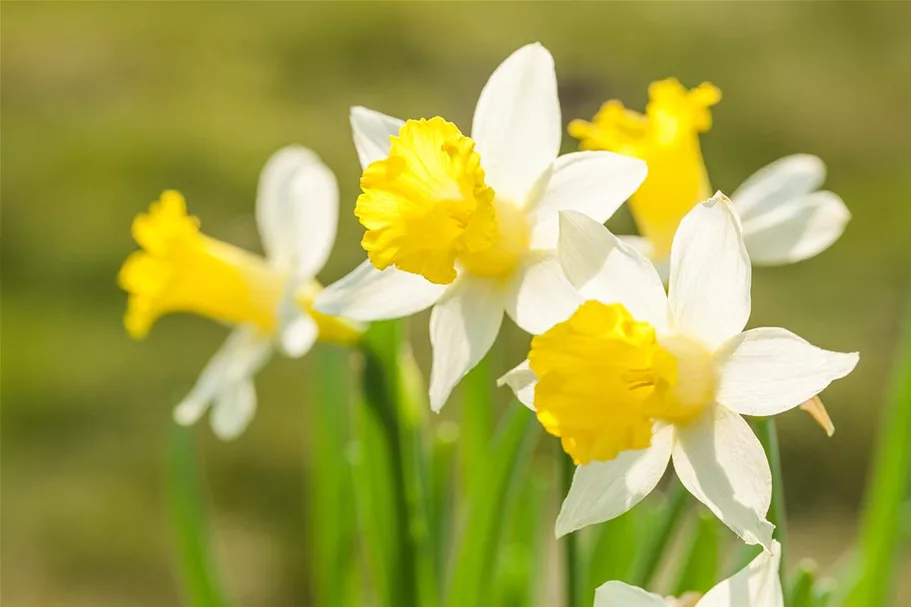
pixel 106 104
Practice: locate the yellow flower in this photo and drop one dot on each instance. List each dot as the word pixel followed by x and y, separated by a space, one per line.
pixel 426 204
pixel 269 300
pixel 181 270
pixel 667 138
pixel 638 377
pixel 469 225
pixel 604 380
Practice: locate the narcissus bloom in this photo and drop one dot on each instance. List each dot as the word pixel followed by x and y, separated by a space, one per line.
pixel 756 585
pixel 785 219
pixel 469 225
pixel 636 378
pixel 267 300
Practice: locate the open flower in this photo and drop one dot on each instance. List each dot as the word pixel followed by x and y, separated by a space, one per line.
pixel 785 219
pixel 636 378
pixel 470 225
pixel 269 300
pixel 756 585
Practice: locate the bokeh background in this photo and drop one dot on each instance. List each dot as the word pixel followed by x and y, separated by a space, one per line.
pixel 106 104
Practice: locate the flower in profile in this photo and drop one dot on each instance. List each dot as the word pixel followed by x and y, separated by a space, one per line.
pixel 636 378
pixel 469 225
pixel 756 585
pixel 785 218
pixel 268 300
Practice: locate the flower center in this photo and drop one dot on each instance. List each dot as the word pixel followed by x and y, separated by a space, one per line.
pixel 426 207
pixel 667 138
pixel 508 246
pixel 604 378
pixel 181 270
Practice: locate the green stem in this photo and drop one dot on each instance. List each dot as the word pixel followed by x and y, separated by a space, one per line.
pixel 199 581
pixel 381 394
pixel 655 544
pixel 768 436
pixel 571 561
pixel 477 421
pixel 330 500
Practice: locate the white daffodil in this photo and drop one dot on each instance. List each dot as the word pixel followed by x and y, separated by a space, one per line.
pixel 268 301
pixel 636 378
pixel 785 219
pixel 756 585
pixel 470 225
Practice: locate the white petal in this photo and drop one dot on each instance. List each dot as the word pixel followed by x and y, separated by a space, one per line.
pixel 234 408
pixel 539 295
pixel 463 327
pixel 756 585
pixel 367 294
pixel 522 381
pixel 593 183
pixel 603 267
pixel 644 247
pixel 602 491
pixel 245 348
pixel 517 124
pixel 709 291
pixel 618 594
pixel 770 370
pixel 776 183
pixel 297 333
pixel 297 211
pixel 796 230
pixel 372 131
pixel 721 462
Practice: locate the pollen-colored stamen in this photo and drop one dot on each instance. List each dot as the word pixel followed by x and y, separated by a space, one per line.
pixel 667 138
pixel 427 209
pixel 605 378
pixel 181 270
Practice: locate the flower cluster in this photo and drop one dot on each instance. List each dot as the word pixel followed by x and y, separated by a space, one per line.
pixel 630 375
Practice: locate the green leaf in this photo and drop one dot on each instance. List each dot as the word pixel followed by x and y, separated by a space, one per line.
pixel 768 436
pixel 199 583
pixel 414 408
pixel 524 550
pixel 477 413
pixel 491 509
pixel 612 549
pixel 887 488
pixel 799 591
pixel 376 505
pixel 701 557
pixel 331 531
pixel 655 542
pixel 574 567
pixel 389 467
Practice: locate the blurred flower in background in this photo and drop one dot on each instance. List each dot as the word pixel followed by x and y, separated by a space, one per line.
pixel 269 300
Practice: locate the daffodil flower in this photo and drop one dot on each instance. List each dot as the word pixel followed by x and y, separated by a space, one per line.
pixel 470 225
pixel 756 585
pixel 637 378
pixel 785 218
pixel 267 300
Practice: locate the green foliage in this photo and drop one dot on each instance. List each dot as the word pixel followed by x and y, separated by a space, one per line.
pixel 490 508
pixel 881 531
pixel 699 566
pixel 196 568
